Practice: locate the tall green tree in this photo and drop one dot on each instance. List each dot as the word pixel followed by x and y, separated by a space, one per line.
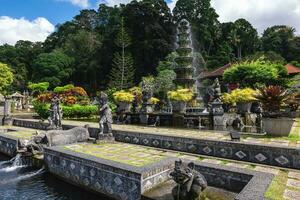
pixel 122 73
pixel 6 77
pixel 150 26
pixel 276 38
pixel 54 67
pixel 293 53
pixel 83 47
pixel 244 38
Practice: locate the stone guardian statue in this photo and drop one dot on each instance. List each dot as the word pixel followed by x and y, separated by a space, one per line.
pixel 105 116
pixel 190 183
pixel 56 114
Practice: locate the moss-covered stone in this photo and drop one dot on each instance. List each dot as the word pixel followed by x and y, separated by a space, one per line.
pixel 123 153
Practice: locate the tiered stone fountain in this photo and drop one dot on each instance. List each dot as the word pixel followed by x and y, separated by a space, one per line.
pixel 185 70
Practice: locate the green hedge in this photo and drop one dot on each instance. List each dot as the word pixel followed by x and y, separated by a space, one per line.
pixel 78 111
pixel 74 111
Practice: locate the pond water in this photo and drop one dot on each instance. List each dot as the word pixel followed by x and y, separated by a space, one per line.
pixel 26 183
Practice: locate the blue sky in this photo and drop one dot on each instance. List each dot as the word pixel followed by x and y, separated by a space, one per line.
pixel 56 11
pixel 34 20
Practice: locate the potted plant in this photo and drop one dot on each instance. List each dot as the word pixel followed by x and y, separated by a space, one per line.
pixel 179 99
pixel 243 99
pixel 124 100
pixel 272 97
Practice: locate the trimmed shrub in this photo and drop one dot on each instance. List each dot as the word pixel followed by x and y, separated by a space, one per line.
pixel 78 111
pixel 74 111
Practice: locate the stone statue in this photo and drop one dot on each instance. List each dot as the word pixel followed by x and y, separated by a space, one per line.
pixel 190 183
pixel 105 116
pixel 259 117
pixel 217 90
pixel 55 138
pixel 55 114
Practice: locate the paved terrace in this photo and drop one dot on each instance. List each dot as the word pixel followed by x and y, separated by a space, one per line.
pixel 292 141
pixel 285 185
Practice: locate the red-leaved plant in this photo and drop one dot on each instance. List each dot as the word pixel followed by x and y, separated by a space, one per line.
pixel 272 97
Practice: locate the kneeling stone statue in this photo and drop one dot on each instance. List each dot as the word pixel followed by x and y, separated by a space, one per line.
pixel 190 183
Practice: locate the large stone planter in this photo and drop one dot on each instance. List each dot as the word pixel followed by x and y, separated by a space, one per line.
pixel 243 108
pixel 278 126
pixel 178 106
pixel 124 106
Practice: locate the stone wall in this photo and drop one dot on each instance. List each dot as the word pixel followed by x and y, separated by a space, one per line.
pixel 248 184
pixel 256 153
pixel 113 179
pixel 8 145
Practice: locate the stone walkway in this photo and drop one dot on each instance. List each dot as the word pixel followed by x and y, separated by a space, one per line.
pixel 199 134
pixel 285 186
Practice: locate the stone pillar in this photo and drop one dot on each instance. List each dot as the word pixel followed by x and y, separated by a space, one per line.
pixel 7 119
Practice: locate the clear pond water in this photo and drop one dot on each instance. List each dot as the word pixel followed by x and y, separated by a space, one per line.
pixel 26 183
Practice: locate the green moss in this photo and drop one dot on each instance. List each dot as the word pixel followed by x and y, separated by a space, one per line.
pixel 119 152
pixel 20 134
pixel 277 187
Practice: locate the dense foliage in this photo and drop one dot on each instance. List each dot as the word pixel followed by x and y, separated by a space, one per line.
pixel 84 50
pixel 256 74
pixel 6 76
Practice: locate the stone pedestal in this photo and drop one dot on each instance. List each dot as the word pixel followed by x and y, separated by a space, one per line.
pixel 145 110
pixel 217 113
pixel 7 119
pixel 144 118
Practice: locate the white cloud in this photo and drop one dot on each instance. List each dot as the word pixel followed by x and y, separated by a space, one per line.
pixel 261 14
pixel 114 2
pixel 12 30
pixel 80 3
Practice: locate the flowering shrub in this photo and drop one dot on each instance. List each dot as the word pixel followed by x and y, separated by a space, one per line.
pixel 239 96
pixel 122 96
pixel 154 100
pixel 181 95
pixel 69 100
pixel 45 97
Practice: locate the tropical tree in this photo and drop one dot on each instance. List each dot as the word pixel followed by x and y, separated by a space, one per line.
pixel 6 77
pixel 244 38
pixel 122 73
pixel 276 38
pixel 149 23
pixel 54 67
pixel 293 53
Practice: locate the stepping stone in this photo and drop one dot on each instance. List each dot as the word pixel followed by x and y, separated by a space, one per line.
pixel 212 161
pixel 291 195
pixel 267 170
pixel 294 175
pixel 189 157
pixel 293 183
pixel 237 165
